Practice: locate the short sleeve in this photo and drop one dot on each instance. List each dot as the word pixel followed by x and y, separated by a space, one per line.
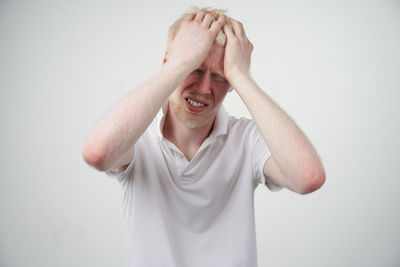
pixel 260 155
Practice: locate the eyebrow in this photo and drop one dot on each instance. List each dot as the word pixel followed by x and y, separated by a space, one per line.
pixel 218 72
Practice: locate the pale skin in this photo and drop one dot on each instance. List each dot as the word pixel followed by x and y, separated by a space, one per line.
pixel 205 75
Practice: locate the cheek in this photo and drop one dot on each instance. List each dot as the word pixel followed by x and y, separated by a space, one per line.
pixel 221 86
pixel 191 78
pixel 184 85
pixel 221 89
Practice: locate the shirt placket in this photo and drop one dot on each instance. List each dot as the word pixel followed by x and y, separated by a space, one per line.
pixel 182 165
pixel 179 160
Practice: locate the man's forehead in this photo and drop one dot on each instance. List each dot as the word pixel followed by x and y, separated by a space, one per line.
pixel 217 49
pixel 214 64
pixel 215 56
pixel 215 60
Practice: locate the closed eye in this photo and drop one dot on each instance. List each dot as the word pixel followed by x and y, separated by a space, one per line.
pixel 198 71
pixel 218 78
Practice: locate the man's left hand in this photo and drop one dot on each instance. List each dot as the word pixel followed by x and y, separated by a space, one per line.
pixel 237 51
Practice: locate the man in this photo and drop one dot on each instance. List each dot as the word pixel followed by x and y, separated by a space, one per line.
pixel 188 170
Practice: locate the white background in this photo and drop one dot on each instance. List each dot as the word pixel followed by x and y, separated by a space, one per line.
pixel 334 66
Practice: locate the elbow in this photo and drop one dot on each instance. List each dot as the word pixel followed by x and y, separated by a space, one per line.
pixel 95 156
pixel 312 179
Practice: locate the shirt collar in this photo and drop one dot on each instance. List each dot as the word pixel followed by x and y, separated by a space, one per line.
pixel 220 125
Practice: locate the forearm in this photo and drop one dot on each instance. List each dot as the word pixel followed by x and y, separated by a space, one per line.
pixel 289 147
pixel 122 126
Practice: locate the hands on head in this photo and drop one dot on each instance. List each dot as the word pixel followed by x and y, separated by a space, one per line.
pixel 197 33
pixel 237 51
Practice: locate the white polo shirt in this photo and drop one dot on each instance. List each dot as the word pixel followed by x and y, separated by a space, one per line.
pixel 198 213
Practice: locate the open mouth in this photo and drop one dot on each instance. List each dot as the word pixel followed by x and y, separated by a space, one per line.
pixel 195 103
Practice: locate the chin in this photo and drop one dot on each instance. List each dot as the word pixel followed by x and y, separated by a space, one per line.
pixel 191 120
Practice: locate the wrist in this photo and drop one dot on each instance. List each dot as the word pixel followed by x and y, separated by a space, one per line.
pixel 177 68
pixel 238 78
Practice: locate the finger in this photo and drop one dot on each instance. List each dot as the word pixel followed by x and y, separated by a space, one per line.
pixel 250 45
pixel 218 24
pixel 189 17
pixel 228 31
pixel 238 29
pixel 208 19
pixel 200 15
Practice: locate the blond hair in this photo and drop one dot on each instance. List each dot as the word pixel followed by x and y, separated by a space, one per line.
pixel 220 38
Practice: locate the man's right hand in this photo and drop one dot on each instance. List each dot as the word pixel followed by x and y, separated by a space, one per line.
pixel 194 39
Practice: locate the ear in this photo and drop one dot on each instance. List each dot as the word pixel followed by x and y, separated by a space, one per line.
pixel 165 57
pixel 230 89
pixel 170 39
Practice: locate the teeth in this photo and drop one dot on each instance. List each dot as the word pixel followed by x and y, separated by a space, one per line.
pixel 194 103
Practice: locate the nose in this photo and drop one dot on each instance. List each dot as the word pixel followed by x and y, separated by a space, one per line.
pixel 204 86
